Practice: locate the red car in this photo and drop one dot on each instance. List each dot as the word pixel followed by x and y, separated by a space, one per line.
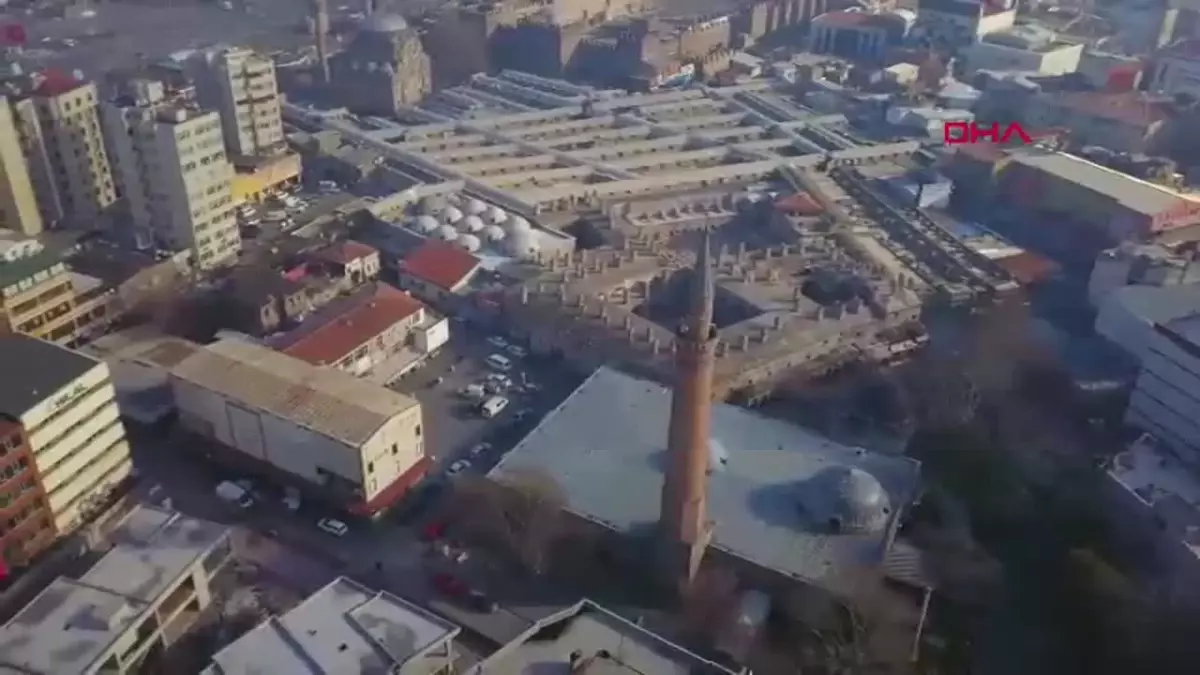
pixel 433 531
pixel 448 584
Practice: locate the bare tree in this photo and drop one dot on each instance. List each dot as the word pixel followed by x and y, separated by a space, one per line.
pixel 522 512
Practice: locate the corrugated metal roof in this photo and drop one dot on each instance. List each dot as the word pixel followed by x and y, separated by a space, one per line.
pixel 1133 193
pixel 326 401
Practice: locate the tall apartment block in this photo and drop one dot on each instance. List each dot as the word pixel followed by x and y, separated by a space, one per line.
pixel 171 163
pixel 240 84
pixel 40 296
pixel 66 441
pixel 18 203
pixel 59 130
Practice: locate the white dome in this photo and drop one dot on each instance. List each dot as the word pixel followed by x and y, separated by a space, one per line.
pixel 476 207
pixel 472 224
pixel 469 242
pixel 384 23
pixel 523 244
pixel 425 223
pixel 452 215
pixel 497 214
pixel 447 233
pixel 494 233
pixel 518 224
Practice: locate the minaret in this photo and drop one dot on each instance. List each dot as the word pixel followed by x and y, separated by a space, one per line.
pixel 321 34
pixel 685 530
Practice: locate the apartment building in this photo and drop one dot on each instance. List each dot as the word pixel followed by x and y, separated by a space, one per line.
pixel 18 203
pixel 171 164
pixel 66 407
pixel 40 296
pixel 59 128
pixel 129 608
pixel 240 84
pixel 26 523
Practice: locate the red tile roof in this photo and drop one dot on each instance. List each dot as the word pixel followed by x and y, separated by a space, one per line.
pixel 851 20
pixel 1028 268
pixel 56 82
pixel 345 252
pixel 439 263
pixel 799 204
pixel 341 335
pixel 392 493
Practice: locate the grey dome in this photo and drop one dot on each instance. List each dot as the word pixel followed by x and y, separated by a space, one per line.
pixel 497 214
pixel 447 233
pixel 471 223
pixel 384 23
pixel 494 233
pixel 452 214
pixel 518 224
pixel 476 207
pixel 848 500
pixel 468 242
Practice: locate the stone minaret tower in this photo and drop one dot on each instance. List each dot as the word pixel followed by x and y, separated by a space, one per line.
pixel 685 530
pixel 321 34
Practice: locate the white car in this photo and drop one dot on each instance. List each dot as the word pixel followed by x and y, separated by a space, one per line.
pixel 458 467
pixel 335 527
pixel 480 449
pixel 497 342
pixel 517 351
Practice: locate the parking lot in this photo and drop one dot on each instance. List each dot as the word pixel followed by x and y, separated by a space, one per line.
pixel 454 421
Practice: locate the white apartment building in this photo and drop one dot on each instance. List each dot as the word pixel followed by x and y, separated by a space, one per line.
pixel 59 129
pixel 1026 49
pixel 178 185
pixel 1166 398
pixel 133 604
pixel 240 84
pixel 67 406
pixel 351 442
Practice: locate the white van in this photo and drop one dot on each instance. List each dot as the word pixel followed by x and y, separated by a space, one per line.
pixel 497 362
pixel 493 406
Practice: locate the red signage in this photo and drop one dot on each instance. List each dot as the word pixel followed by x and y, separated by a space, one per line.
pixel 972 133
pixel 13 35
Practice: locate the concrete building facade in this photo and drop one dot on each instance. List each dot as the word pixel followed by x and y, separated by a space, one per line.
pixel 60 128
pixel 1026 49
pixel 357 445
pixel 240 84
pixel 66 404
pixel 28 523
pixel 18 203
pixel 177 182
pixel 133 604
pixel 40 296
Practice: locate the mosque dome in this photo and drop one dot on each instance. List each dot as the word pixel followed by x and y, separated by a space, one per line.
pixel 494 233
pixel 472 224
pixel 523 244
pixel 447 233
pixel 497 214
pixel 518 224
pixel 468 242
pixel 848 500
pixel 476 207
pixel 452 215
pixel 425 223
pixel 384 23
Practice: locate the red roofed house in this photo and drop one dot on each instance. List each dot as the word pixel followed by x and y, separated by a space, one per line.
pixel 437 272
pixel 359 332
pixel 352 262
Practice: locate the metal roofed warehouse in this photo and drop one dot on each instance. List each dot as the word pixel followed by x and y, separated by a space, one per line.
pixel 782 497
pixel 356 443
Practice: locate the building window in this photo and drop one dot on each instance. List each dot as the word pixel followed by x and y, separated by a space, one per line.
pixel 370 467
pixel 418 431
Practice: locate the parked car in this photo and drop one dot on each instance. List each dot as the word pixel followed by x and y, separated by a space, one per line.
pixel 332 526
pixel 517 351
pixel 473 392
pixel 480 449
pixel 458 467
pixel 455 588
pixel 497 342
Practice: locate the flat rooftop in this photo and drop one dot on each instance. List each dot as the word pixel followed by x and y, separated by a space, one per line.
pixel 33 370
pixel 605 642
pixel 71 625
pixel 1164 485
pixel 1133 193
pixel 325 400
pixel 341 629
pixel 775 490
